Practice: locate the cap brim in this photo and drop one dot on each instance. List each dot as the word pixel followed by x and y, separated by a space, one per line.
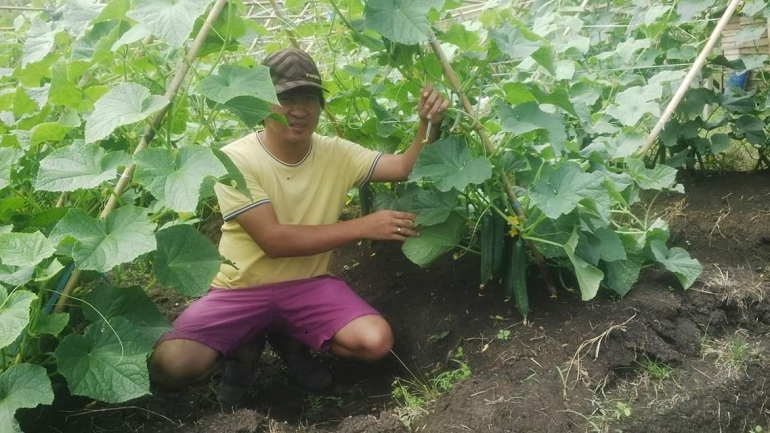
pixel 283 87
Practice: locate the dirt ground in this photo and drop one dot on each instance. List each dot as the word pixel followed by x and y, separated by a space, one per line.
pixel 660 360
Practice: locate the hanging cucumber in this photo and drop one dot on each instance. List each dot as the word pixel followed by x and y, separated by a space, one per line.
pixel 498 245
pixel 515 280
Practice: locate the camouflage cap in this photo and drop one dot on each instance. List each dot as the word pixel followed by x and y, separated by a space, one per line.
pixel 291 68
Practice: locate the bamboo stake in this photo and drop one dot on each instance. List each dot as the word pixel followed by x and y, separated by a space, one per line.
pixel 149 134
pixel 696 67
pixel 479 128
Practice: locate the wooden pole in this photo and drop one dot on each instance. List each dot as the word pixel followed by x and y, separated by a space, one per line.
pixel 149 134
pixel 696 67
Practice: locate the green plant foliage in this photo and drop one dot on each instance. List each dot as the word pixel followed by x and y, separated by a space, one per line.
pixel 14 310
pixel 78 166
pixel 449 165
pixel 185 260
pixel 22 386
pixel 123 105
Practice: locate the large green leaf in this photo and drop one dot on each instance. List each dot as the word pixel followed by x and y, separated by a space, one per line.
pixel 434 241
pixel 40 41
pixel 512 42
pixel 589 277
pixel 448 164
pixel 249 109
pixel 24 249
pixel 752 128
pixel 601 244
pixel 232 81
pixel 562 191
pixel 8 158
pixel 660 178
pixel 106 363
pixel 125 104
pixel 433 207
pixel 402 21
pixel 131 303
pixel 78 15
pixel 633 103
pixel 688 9
pixel 185 261
pixel 14 314
pixel 529 117
pixel 177 179
pixel 79 166
pixel 623 274
pixel 170 20
pixel 50 131
pixel 100 245
pixel 678 261
pixel 22 386
pixel 750 33
pixel 16 275
pixel 51 324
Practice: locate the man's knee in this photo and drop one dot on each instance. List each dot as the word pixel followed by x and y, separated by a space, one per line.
pixel 377 342
pixel 178 363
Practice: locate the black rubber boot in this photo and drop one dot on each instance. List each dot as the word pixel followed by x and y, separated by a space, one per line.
pixel 307 371
pixel 239 373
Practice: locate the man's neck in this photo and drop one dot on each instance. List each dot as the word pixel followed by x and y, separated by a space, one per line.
pixel 286 151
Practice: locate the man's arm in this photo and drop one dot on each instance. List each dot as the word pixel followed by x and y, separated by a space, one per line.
pixel 283 240
pixel 430 108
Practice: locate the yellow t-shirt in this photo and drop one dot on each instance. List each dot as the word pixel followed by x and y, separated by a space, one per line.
pixel 311 192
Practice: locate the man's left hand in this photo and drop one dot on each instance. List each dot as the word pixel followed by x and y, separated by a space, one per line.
pixel 432 105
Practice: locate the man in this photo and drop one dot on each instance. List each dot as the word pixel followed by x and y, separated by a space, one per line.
pixel 281 240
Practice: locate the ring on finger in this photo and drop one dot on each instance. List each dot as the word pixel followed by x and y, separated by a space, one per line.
pixel 398 230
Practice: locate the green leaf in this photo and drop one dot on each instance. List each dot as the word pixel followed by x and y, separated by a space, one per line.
pixel 249 109
pixel 623 274
pixel 125 104
pixel 633 103
pixel 660 178
pixel 751 7
pixel 465 39
pixel 750 33
pixel 79 166
pixel 107 363
pixel 185 261
pixel 14 314
pixel 514 43
pixel 602 244
pixel 449 164
pixel 78 15
pixel 132 304
pixel 51 324
pixel 589 277
pixel 517 93
pixel 402 21
pixel 8 158
pixel 22 386
pixel 561 192
pixel 40 41
pixel 170 20
pixel 544 57
pixel 24 249
pixel 752 128
pixel 232 81
pixel 234 177
pixel 688 9
pixel 114 10
pixel 720 143
pixel 677 261
pixel 49 131
pixel 529 117
pixel 434 241
pixel 433 207
pixel 177 179
pixel 738 104
pixel 100 245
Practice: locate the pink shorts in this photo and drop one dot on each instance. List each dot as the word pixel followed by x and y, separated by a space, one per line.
pixel 310 311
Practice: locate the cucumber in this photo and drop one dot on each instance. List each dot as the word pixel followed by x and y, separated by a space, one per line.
pixel 515 280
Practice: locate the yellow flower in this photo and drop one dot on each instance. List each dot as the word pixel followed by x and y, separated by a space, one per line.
pixel 513 220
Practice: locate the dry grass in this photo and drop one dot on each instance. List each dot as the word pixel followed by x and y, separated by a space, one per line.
pixel 732 355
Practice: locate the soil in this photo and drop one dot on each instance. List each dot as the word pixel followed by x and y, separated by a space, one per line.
pixel 661 359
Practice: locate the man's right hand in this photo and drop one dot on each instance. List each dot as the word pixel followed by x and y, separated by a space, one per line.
pixel 388 225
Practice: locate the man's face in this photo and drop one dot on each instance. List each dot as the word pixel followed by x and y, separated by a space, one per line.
pixel 302 108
